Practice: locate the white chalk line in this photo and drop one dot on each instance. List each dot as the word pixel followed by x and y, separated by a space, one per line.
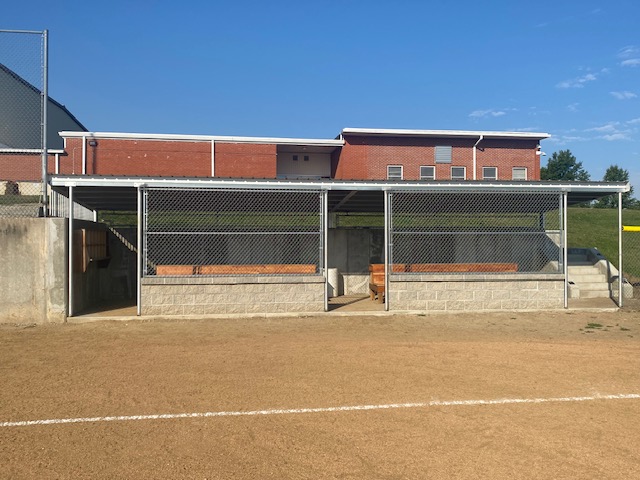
pixel 294 411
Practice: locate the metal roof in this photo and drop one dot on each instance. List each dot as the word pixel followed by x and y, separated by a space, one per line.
pixel 120 193
pixel 443 133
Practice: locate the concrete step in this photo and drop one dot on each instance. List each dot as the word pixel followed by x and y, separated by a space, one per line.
pixel 594 294
pixel 593 286
pixel 585 268
pixel 587 278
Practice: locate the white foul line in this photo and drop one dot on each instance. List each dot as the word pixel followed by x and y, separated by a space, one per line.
pixel 293 411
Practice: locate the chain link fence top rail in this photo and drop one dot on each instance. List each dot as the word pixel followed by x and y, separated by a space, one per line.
pixel 21 122
pixel 475 232
pixel 232 232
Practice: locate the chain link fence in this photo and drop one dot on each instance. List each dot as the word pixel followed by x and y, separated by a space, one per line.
pixel 22 83
pixel 232 232
pixel 631 258
pixel 490 232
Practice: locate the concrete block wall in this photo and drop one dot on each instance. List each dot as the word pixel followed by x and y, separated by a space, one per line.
pixel 446 293
pixel 232 294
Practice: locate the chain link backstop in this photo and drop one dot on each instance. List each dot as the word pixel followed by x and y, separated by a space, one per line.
pixel 23 59
pixel 483 232
pixel 631 258
pixel 232 232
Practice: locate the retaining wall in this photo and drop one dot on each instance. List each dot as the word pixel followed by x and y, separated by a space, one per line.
pixel 33 277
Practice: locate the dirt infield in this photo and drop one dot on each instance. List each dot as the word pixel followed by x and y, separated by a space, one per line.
pixel 568 359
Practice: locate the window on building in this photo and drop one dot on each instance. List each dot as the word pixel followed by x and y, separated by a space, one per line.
pixel 394 172
pixel 443 154
pixel 519 173
pixel 295 158
pixel 306 158
pixel 458 173
pixel 427 172
pixel 490 173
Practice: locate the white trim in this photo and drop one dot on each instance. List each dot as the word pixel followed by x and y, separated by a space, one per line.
pixel 50 151
pixel 84 154
pixel 204 138
pixel 213 157
pixel 444 133
pixel 501 186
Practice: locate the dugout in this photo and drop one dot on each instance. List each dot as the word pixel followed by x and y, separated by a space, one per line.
pixel 224 246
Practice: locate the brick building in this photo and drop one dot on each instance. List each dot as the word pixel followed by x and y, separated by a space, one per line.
pixel 356 154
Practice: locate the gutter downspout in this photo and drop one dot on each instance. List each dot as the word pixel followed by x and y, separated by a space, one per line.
pixel 475 147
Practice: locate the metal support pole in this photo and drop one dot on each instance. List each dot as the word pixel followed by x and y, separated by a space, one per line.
pixel 70 265
pixel 325 241
pixel 45 101
pixel 139 257
pixel 387 223
pixel 620 275
pixel 565 250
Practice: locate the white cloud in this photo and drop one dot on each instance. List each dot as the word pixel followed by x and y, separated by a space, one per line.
pixel 616 136
pixel 487 113
pixel 609 127
pixel 623 95
pixel 578 82
pixel 628 51
pixel 573 107
pixel 634 121
pixel 632 62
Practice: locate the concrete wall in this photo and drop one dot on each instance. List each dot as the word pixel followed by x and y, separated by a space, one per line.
pixel 476 292
pixel 33 277
pixel 224 295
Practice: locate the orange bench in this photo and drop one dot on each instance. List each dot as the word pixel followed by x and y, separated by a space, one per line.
pixel 264 269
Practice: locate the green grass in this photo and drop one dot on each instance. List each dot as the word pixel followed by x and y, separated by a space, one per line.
pixel 598 228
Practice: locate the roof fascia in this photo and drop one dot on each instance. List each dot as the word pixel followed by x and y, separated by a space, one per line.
pixel 443 133
pixel 530 187
pixel 204 138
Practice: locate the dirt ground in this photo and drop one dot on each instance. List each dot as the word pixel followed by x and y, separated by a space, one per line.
pixel 163 367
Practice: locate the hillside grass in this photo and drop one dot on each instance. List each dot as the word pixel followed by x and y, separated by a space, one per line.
pixel 598 228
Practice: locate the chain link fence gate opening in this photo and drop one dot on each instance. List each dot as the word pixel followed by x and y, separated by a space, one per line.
pixel 23 90
pixel 232 232
pixel 479 232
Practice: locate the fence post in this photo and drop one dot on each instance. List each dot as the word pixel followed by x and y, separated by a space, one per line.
pixel 620 274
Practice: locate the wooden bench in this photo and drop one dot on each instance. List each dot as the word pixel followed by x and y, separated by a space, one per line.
pixel 260 269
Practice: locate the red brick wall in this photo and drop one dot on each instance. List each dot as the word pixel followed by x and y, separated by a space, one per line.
pixel 23 167
pixel 367 158
pixel 245 160
pixel 139 157
pixel 169 158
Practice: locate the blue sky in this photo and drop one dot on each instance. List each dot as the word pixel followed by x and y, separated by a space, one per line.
pixel 308 69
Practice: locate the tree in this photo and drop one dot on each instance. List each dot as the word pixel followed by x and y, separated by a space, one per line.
pixel 616 174
pixel 563 166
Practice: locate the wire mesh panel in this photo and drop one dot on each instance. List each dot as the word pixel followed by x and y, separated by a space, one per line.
pixel 484 232
pixel 232 232
pixel 631 258
pixel 22 57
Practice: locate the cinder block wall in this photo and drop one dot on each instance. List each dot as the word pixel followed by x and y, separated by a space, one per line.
pixel 442 293
pixel 232 294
